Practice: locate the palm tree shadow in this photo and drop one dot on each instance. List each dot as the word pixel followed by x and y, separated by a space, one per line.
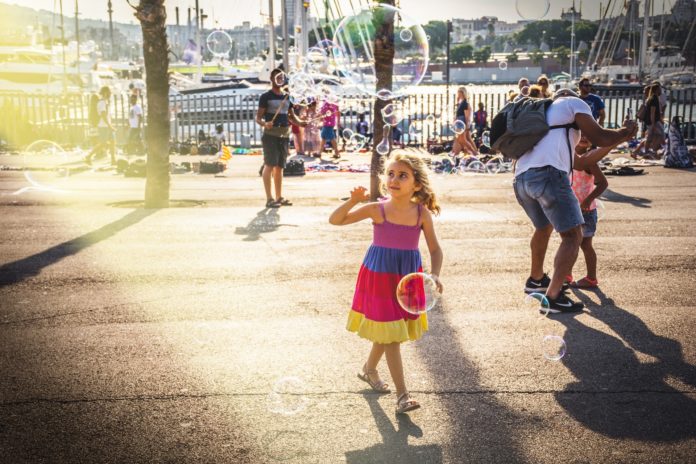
pixel 616 197
pixel 267 220
pixel 20 270
pixel 618 393
pixel 394 446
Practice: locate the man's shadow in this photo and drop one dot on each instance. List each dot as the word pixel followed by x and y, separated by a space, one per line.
pixel 20 270
pixel 394 446
pixel 616 197
pixel 266 220
pixel 618 394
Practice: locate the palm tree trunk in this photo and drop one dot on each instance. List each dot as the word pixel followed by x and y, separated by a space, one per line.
pixel 384 70
pixel 152 16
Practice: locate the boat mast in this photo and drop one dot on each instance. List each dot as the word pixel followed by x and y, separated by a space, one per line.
pixel 62 41
pixel 77 37
pixel 572 42
pixel 643 61
pixel 284 26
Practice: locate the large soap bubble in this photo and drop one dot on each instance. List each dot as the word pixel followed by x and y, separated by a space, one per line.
pixel 219 43
pixel 532 9
pixel 379 31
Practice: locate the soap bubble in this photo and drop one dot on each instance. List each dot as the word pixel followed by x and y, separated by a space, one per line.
pixel 392 114
pixel 417 293
pixel 288 396
pixel 383 147
pixel 503 65
pixel 347 134
pixel 219 43
pixel 537 302
pixel 459 127
pixel 384 94
pixel 317 60
pixel 430 119
pixel 47 165
pixel 532 9
pixel 406 35
pixel 280 79
pixel 359 37
pixel 553 347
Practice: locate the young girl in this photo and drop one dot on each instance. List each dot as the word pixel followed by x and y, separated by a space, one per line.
pixel 397 224
pixel 588 185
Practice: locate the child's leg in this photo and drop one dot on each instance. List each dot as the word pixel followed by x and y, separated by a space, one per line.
pixel 396 368
pixel 335 148
pixel 590 257
pixel 375 355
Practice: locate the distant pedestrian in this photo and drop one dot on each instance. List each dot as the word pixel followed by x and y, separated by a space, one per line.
pixel 588 185
pixel 594 101
pixel 363 128
pixel 312 131
pixel 480 120
pixel 135 126
pixel 298 130
pixel 104 127
pixel 397 224
pixel 651 115
pixel 274 116
pixel 331 114
pixel 463 140
pixel 522 89
pixel 543 82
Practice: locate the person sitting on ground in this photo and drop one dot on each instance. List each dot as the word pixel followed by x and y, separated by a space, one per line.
pixel 363 128
pixel 218 136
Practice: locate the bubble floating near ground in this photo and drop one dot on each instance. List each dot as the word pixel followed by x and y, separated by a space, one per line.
pixel 219 43
pixel 537 302
pixel 47 166
pixel 288 396
pixel 283 445
pixel 417 293
pixel 532 9
pixel 553 347
pixel 359 38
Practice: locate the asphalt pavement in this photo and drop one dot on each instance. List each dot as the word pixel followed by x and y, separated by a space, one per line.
pixel 214 331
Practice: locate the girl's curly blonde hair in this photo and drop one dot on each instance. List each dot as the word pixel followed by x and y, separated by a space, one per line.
pixel 425 196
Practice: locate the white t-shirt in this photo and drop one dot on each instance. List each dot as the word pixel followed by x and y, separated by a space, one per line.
pixel 552 150
pixel 103 112
pixel 133 114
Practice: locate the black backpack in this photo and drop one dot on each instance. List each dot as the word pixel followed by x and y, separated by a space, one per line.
pixel 294 168
pixel 520 125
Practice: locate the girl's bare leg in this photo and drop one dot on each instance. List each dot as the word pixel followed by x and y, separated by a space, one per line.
pixel 373 360
pixel 590 257
pixel 396 368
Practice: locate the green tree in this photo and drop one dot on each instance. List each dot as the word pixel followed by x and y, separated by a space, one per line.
pixel 461 53
pixel 482 55
pixel 537 56
pixel 562 54
pixel 437 30
pixel 479 41
pixel 153 16
pixel 512 57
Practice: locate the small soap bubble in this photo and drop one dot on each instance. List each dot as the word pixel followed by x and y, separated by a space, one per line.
pixel 288 396
pixel 553 347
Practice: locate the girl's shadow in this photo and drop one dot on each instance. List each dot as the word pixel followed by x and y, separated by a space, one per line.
pixel 394 446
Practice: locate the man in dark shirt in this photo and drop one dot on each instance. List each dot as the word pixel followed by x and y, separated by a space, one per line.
pixel 274 116
pixel 594 101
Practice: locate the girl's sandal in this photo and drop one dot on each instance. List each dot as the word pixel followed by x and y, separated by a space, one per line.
pixel 405 404
pixel 585 282
pixel 380 386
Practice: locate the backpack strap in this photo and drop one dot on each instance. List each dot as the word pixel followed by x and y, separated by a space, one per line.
pixel 567 128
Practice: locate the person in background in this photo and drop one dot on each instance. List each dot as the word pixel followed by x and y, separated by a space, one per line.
pixel 651 114
pixel 298 131
pixel 523 90
pixel 363 128
pixel 480 120
pixel 312 132
pixel 463 140
pixel 594 101
pixel 135 123
pixel 218 136
pixel 330 113
pixel 104 127
pixel 543 82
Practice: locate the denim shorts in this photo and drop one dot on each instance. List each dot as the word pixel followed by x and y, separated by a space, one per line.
pixel 547 198
pixel 328 133
pixel 590 226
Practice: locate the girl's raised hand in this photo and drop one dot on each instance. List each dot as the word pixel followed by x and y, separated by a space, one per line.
pixel 359 194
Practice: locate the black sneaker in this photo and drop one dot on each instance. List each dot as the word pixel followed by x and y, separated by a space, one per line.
pixel 562 304
pixel 541 285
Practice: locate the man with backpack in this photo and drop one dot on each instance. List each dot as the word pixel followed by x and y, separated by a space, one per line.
pixel 542 135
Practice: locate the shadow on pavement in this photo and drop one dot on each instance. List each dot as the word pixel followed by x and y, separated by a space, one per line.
pixel 622 396
pixel 616 197
pixel 265 221
pixel 18 271
pixel 394 446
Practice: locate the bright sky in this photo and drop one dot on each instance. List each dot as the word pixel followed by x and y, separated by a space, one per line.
pixel 228 13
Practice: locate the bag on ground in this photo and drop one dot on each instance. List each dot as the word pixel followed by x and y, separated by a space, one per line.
pixel 677 153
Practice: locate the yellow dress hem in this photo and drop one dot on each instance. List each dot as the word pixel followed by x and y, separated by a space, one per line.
pixel 399 331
